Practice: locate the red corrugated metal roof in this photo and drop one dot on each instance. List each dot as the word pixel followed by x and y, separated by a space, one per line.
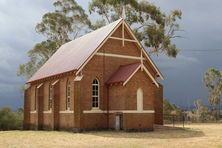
pixel 123 73
pixel 73 54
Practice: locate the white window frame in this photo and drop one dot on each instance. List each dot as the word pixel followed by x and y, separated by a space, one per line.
pixel 96 96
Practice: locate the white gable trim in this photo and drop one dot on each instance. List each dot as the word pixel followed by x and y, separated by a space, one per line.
pixel 123 35
pixel 146 54
pixel 121 39
pixel 149 74
pixel 119 56
pixel 132 75
pixel 103 42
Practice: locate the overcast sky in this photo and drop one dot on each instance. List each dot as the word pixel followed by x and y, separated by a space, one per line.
pixel 183 84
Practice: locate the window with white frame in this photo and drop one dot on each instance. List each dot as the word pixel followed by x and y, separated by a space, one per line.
pixel 50 96
pixel 95 93
pixel 68 95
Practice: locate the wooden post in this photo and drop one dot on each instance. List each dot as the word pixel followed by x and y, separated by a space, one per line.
pixel 183 120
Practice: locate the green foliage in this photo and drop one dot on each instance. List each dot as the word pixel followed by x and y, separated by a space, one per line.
pixel 201 111
pixel 169 108
pixel 10 120
pixel 40 53
pixel 152 27
pixel 213 81
pixel 59 27
pixel 66 20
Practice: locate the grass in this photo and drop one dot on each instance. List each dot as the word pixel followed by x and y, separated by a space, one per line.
pixel 194 135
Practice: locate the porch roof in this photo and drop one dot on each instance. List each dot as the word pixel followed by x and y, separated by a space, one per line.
pixel 124 73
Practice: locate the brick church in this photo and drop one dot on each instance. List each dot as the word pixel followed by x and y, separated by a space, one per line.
pixel 102 80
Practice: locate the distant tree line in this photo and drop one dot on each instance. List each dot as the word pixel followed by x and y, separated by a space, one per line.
pixel 200 113
pixel 11 120
pixel 213 81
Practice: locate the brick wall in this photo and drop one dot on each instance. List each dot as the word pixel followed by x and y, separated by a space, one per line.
pixel 158 105
pixel 66 120
pixel 121 97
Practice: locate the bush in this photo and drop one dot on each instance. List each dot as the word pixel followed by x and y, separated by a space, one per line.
pixel 10 120
pixel 169 108
pixel 201 113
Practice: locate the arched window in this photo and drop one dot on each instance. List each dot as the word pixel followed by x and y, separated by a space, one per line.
pixel 139 99
pixel 68 95
pixel 95 93
pixel 50 96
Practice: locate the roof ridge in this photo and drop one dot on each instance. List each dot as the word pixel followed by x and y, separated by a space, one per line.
pixel 93 31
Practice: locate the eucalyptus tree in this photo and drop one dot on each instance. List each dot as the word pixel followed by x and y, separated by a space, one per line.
pixel 213 81
pixel 152 27
pixel 65 23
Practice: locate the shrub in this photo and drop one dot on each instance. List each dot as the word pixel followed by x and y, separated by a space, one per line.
pixel 170 108
pixel 10 120
pixel 201 113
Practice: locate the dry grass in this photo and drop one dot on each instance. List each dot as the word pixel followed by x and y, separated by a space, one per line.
pixel 195 135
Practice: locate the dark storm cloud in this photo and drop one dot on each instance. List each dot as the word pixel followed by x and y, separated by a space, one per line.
pixel 17 35
pixel 202 23
pixel 183 76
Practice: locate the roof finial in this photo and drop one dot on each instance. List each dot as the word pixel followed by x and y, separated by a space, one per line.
pixel 123 12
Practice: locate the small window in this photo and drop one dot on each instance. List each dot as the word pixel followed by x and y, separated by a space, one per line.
pixel 68 95
pixel 50 96
pixel 95 93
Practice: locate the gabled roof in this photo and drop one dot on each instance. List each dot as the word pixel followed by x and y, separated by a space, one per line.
pixel 144 51
pixel 123 73
pixel 73 54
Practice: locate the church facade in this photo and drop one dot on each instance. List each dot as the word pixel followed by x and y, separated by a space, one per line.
pixel 102 80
